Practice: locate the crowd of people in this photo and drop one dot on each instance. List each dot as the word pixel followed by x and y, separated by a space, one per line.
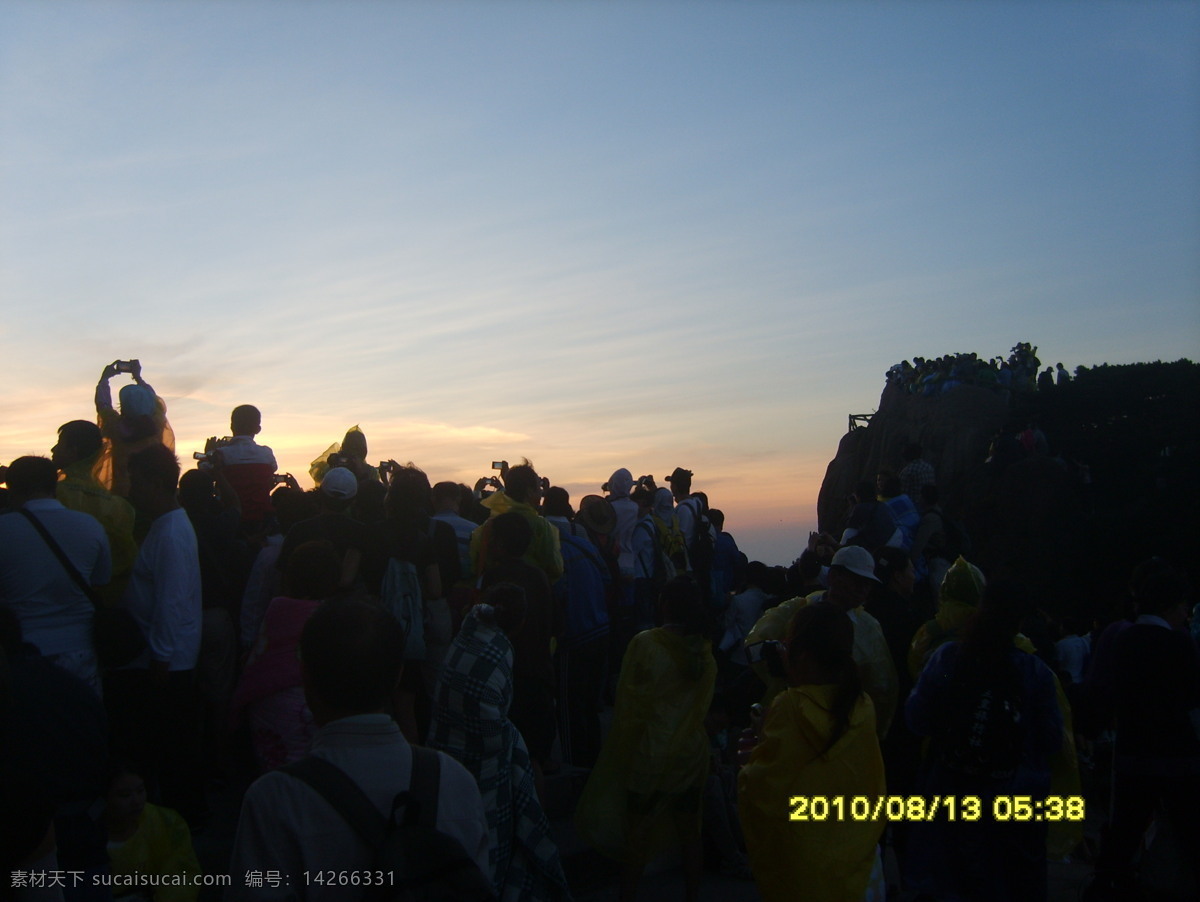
pixel 404 665
pixel 1020 371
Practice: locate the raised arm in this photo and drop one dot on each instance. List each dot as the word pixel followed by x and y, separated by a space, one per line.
pixel 103 392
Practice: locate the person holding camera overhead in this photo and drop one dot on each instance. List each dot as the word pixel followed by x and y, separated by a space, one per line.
pixel 351 454
pixel 140 423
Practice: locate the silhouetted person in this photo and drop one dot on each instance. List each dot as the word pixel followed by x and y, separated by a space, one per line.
pixel 352 653
pixel 533 669
pixel 248 466
pixel 152 703
pixel 55 610
pixel 1155 680
pixel 76 454
pixel 141 423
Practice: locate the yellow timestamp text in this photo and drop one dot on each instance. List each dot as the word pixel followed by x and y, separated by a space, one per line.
pixel 1023 809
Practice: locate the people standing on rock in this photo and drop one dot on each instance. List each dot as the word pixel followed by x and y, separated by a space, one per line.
pixel 872 523
pixel 931 552
pixel 1045 380
pixel 901 505
pixel 1061 375
pixel 916 472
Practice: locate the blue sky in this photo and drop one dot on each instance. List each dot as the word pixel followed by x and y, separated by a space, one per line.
pixel 597 234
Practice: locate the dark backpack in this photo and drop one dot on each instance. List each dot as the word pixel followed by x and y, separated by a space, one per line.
pixel 985 733
pixel 664 567
pixel 413 859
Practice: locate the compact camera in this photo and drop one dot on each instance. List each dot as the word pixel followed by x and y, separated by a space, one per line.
pixel 211 445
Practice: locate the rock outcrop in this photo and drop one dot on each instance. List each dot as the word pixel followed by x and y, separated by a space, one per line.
pixel 954 429
pixel 1117 485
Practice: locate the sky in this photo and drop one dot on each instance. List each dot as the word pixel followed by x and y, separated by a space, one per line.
pixel 639 234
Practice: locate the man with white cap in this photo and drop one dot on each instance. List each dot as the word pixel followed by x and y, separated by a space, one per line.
pixel 334 524
pixel 851 578
pixel 851 581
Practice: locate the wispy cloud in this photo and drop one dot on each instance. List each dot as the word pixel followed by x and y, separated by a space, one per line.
pixel 550 230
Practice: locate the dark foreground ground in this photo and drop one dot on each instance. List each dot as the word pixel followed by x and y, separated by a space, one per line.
pixel 594 878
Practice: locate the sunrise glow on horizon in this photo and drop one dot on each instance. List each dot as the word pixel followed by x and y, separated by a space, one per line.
pixel 596 235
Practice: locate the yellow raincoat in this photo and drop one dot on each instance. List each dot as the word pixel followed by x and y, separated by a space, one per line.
pixel 79 490
pixel 961 590
pixel 545 550
pixel 871 654
pixel 647 786
pixel 828 859
pixel 162 846
pixel 111 467
pixel 320 465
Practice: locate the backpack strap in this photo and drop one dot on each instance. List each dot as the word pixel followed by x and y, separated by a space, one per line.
pixel 655 543
pixel 421 804
pixel 72 570
pixel 650 529
pixel 336 787
pixel 587 549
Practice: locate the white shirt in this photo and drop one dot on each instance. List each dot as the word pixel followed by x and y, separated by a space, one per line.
pixel 55 614
pixel 644 556
pixel 164 593
pixel 744 611
pixel 626 510
pixel 685 512
pixel 287 826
